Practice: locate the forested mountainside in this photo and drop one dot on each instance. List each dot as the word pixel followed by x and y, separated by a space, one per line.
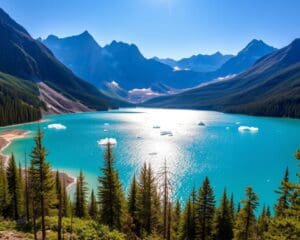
pixel 40 207
pixel 19 101
pixel 271 87
pixel 28 59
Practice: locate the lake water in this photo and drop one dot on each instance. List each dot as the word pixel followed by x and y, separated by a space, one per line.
pixel 229 157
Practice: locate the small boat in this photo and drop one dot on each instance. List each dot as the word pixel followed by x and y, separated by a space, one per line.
pixel 156 126
pixel 201 124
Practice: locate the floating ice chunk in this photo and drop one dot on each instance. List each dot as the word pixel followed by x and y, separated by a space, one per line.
pixel 153 153
pixel 227 128
pixel 168 133
pixel 57 126
pixel 238 123
pixel 106 141
pixel 248 129
pixel 106 124
pixel 105 130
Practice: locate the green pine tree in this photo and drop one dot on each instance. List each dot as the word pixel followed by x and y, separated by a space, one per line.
pixel 244 228
pixel 93 208
pixel 81 197
pixel 14 189
pixel 110 193
pixel 42 183
pixel 223 224
pixel 204 211
pixel 132 205
pixel 283 191
pixel 4 194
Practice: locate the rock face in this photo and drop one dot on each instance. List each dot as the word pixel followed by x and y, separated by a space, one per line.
pixel 57 103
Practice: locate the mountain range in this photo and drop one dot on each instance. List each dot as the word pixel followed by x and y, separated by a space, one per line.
pixel 198 63
pixel 120 70
pixel 25 58
pixel 271 87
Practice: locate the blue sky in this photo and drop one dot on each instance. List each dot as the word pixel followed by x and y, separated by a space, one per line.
pixel 164 28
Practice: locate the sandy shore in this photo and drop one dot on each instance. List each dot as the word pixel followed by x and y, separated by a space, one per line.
pixel 6 138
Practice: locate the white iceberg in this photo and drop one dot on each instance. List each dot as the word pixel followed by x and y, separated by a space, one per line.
pixel 57 126
pixel 248 129
pixel 106 141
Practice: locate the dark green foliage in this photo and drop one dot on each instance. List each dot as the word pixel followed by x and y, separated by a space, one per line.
pixel 14 189
pixel 93 207
pixel 110 193
pixel 204 211
pixel 4 195
pixel 18 100
pixel 81 197
pixel 223 221
pixel 283 191
pixel 148 202
pixel 132 206
pixel 244 228
pixel 41 182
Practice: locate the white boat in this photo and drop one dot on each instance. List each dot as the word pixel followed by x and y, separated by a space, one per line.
pixel 106 141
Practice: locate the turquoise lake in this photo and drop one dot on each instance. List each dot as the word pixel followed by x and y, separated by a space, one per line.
pixel 229 157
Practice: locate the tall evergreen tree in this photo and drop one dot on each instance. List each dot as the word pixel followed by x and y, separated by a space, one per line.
pixel 81 197
pixel 176 221
pixel 204 211
pixel 244 228
pixel 283 191
pixel 42 181
pixel 263 224
pixel 187 230
pixel 93 208
pixel 223 225
pixel 4 195
pixel 110 194
pixel 59 194
pixel 14 188
pixel 132 205
pixel 148 201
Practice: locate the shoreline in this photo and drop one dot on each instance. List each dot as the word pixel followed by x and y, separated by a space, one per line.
pixel 8 136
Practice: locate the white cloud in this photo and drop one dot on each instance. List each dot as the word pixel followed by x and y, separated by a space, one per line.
pixel 57 126
pixel 248 129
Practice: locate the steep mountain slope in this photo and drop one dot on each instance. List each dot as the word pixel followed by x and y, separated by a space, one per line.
pixel 19 101
pixel 245 58
pixel 270 87
pixel 198 63
pixel 24 57
pixel 117 62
